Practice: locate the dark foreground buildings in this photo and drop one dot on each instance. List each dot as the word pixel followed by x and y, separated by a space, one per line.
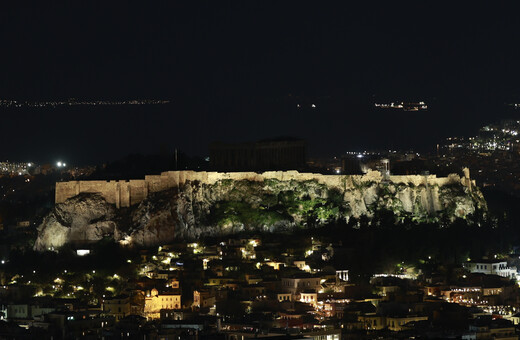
pixel 276 154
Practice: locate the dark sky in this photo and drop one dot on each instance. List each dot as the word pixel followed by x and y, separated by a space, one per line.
pixel 235 70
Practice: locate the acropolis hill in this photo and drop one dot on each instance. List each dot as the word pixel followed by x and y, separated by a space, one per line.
pixel 127 193
pixel 189 204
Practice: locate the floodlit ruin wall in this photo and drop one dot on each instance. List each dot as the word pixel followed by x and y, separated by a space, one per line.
pixel 127 193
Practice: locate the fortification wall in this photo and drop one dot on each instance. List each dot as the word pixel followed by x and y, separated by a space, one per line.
pixel 127 193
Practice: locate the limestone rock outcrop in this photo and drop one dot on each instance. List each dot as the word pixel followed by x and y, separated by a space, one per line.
pixel 83 217
pixel 196 209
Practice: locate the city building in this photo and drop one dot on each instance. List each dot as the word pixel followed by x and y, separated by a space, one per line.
pixel 154 302
pixel 491 267
pixel 300 283
pixel 487 328
pixel 117 306
pixel 203 299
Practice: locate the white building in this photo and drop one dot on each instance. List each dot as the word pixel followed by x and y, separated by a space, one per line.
pixel 297 284
pixel 309 297
pixel 491 267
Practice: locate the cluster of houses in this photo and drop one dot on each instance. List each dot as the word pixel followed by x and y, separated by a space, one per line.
pixel 244 288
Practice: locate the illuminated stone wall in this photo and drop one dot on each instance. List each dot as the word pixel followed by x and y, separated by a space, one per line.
pixel 127 193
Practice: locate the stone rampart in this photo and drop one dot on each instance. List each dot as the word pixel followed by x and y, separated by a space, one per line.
pixel 127 193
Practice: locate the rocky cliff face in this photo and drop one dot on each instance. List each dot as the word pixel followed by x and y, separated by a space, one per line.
pixel 229 206
pixel 84 217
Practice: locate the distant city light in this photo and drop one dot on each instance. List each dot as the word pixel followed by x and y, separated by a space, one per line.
pixel 74 102
pixel 405 106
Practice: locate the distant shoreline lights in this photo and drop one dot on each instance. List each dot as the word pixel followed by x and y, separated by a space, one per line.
pixel 75 102
pixel 405 106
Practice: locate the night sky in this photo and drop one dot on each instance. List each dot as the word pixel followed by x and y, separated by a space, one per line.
pixel 236 70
